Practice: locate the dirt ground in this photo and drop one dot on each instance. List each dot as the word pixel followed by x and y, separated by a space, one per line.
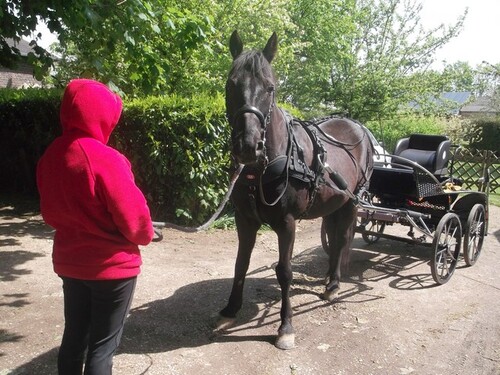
pixel 389 317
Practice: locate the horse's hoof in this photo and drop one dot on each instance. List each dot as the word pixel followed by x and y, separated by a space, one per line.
pixel 224 323
pixel 285 341
pixel 330 295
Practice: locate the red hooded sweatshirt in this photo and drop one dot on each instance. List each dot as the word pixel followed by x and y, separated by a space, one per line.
pixel 87 191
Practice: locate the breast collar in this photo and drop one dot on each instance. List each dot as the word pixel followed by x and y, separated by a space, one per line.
pixel 292 164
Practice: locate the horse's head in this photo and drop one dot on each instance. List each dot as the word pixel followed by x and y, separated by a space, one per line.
pixel 250 98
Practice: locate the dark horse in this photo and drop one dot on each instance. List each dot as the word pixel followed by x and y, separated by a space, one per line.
pixel 289 174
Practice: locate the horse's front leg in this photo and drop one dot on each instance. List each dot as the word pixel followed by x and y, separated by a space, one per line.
pixel 247 233
pixel 286 239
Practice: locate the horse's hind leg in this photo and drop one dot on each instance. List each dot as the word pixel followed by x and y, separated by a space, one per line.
pixel 339 227
pixel 247 233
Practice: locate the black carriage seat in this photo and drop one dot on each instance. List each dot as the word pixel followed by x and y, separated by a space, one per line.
pixel 430 151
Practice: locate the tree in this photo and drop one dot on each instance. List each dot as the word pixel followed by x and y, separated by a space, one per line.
pixel 19 18
pixel 367 56
pixel 362 57
pixel 134 44
pixel 255 20
pixel 149 55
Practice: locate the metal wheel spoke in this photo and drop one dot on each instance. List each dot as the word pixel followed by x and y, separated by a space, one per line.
pixel 479 227
pixel 473 243
pixel 474 234
pixel 446 248
pixel 444 266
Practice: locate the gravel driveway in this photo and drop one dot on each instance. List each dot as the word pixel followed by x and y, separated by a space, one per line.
pixel 389 317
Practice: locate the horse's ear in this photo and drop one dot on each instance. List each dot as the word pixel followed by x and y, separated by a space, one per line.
pixel 271 48
pixel 235 44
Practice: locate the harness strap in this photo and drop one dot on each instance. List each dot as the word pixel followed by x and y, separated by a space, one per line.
pixel 292 165
pixel 287 169
pixel 319 153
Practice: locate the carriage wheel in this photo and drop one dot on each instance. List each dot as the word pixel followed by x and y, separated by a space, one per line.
pixel 474 234
pixel 446 244
pixel 372 226
pixel 369 224
pixel 366 196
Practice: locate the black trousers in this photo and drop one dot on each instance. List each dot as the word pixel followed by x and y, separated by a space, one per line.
pixel 94 313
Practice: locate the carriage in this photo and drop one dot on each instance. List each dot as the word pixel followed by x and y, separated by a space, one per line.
pixel 416 187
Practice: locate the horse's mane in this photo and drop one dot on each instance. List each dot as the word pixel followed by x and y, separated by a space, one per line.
pixel 254 62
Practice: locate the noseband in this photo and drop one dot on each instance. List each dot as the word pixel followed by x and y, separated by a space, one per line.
pixel 264 122
pixel 251 109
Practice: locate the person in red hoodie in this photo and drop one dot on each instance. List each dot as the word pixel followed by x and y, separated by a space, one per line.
pixel 88 195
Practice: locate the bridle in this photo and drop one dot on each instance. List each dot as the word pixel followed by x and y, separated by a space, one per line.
pixel 264 120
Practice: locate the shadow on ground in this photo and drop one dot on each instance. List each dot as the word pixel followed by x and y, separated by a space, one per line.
pixel 186 318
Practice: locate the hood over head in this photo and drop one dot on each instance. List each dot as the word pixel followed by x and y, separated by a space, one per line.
pixel 91 107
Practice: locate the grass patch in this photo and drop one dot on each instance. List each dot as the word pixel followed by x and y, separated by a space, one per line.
pixel 495 199
pixel 225 222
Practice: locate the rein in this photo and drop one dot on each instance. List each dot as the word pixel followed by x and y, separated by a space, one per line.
pixel 347 147
pixel 265 121
pixel 163 224
pixel 288 155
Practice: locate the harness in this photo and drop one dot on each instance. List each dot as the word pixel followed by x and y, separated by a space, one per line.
pixel 290 165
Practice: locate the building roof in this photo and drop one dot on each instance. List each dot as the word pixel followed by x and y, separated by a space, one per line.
pixel 23 46
pixel 20 75
pixel 459 97
pixel 454 100
pixel 482 105
pixel 450 101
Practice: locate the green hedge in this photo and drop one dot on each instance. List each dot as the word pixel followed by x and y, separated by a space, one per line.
pixel 178 148
pixel 29 121
pixel 389 131
pixel 180 153
pixel 480 134
pixel 484 134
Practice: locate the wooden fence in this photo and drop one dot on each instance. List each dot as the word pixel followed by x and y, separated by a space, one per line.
pixel 470 165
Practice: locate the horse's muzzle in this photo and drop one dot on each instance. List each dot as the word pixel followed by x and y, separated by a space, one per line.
pixel 248 152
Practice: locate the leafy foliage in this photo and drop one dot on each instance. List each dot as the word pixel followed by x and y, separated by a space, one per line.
pixel 483 134
pixel 29 121
pixel 488 76
pixel 136 45
pixel 389 131
pixel 19 18
pixel 364 57
pixel 179 150
pixel 139 46
pixel 367 62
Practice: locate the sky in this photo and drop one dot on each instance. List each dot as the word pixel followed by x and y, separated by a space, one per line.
pixel 479 40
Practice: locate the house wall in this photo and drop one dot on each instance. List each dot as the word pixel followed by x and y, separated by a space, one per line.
pixel 21 77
